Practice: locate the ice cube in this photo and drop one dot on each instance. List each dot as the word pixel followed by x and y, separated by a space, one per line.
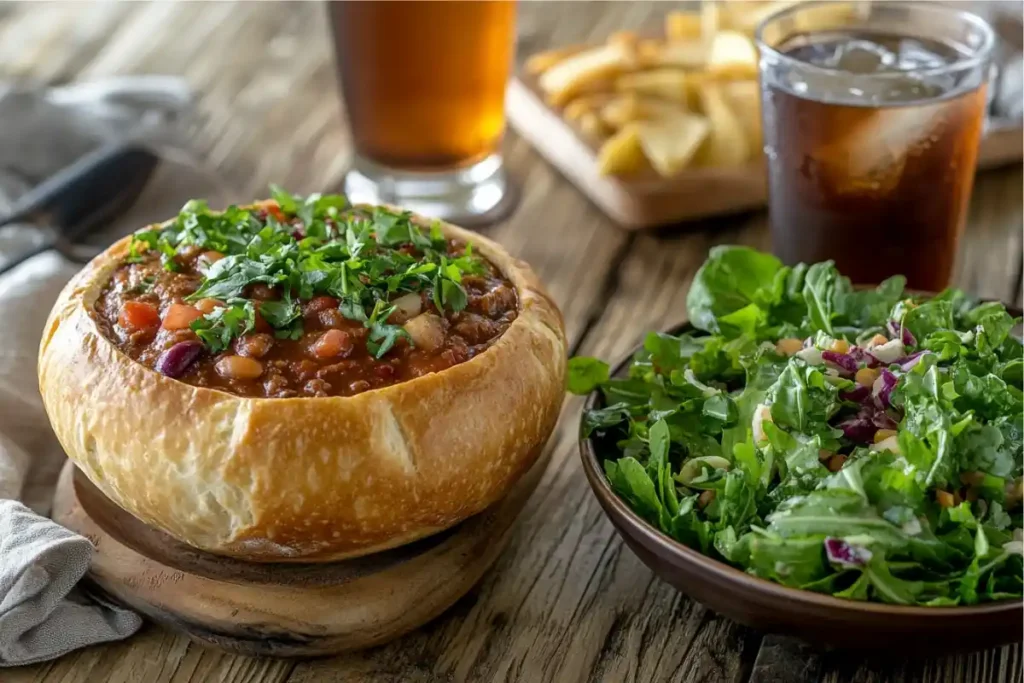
pixel 862 57
pixel 871 155
pixel 914 55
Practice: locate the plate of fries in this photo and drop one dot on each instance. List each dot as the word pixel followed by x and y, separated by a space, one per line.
pixel 655 129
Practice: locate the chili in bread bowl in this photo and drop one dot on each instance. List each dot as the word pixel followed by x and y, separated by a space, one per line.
pixel 303 380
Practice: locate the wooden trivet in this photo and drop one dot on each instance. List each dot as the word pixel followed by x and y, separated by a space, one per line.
pixel 283 609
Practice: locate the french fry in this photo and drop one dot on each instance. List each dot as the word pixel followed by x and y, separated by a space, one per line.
pixel 620 111
pixel 744 98
pixel 726 145
pixel 542 61
pixel 579 107
pixel 682 25
pixel 627 39
pixel 670 143
pixel 828 15
pixel 592 127
pixel 690 54
pixel 745 16
pixel 621 154
pixel 732 55
pixel 666 83
pixel 710 19
pixel 572 75
pixel 629 107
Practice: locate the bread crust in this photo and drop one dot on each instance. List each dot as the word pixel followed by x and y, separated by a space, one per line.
pixel 303 479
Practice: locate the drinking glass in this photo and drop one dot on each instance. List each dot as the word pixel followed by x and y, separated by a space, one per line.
pixel 872 118
pixel 423 83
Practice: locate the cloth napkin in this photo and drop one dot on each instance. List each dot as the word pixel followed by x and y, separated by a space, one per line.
pixel 42 613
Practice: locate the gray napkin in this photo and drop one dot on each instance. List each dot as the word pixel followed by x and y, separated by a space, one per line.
pixel 42 613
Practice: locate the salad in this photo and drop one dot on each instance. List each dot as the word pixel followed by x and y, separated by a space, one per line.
pixel 864 443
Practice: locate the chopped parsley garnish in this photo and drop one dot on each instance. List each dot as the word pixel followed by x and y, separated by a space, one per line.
pixel 305 247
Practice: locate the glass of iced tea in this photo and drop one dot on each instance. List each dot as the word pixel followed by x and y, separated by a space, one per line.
pixel 423 84
pixel 872 116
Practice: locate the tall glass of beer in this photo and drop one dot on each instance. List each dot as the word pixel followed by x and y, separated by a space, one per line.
pixel 423 83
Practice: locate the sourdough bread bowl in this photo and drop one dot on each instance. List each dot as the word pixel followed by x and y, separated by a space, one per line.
pixel 303 477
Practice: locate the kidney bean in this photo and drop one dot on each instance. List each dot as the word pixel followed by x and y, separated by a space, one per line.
pixel 175 361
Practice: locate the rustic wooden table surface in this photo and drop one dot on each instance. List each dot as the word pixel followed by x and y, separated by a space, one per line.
pixel 566 601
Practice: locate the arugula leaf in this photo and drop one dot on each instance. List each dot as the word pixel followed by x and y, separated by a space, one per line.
pixel 819 290
pixel 732 279
pixel 586 374
pixel 631 481
pixel 802 400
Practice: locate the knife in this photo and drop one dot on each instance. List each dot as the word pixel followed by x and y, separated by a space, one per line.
pixel 89 193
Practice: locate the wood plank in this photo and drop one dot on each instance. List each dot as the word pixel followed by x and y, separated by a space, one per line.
pixel 993 240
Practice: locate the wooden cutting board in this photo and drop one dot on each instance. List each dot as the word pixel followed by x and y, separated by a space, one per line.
pixel 283 609
pixel 647 201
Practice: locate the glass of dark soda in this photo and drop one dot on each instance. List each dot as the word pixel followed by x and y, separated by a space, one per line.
pixel 872 116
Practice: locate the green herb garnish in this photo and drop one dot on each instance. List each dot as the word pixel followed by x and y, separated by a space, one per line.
pixel 312 245
pixel 777 463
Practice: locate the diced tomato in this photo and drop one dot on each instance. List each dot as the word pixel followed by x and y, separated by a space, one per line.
pixel 137 315
pixel 180 316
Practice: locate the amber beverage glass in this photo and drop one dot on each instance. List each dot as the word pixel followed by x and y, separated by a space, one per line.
pixel 423 84
pixel 873 112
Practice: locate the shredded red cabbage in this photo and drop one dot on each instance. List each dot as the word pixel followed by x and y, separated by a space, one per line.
pixel 840 360
pixel 846 554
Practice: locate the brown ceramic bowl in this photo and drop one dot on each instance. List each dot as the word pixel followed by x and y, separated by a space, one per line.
pixel 769 606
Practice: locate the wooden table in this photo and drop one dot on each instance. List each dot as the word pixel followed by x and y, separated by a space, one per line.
pixel 566 601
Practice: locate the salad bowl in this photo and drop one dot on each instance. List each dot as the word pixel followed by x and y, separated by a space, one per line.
pixel 790 567
pixel 767 606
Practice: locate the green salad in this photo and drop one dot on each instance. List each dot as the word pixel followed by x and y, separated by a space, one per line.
pixel 864 443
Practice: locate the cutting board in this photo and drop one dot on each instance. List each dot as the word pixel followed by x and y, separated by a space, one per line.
pixel 283 609
pixel 647 201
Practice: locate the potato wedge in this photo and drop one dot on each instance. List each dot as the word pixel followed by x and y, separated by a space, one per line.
pixel 671 143
pixel 542 61
pixel 732 54
pixel 572 75
pixel 621 154
pixel 744 98
pixel 726 145
pixel 667 83
pixel 682 25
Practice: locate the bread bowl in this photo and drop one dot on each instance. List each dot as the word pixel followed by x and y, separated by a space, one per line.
pixel 268 470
